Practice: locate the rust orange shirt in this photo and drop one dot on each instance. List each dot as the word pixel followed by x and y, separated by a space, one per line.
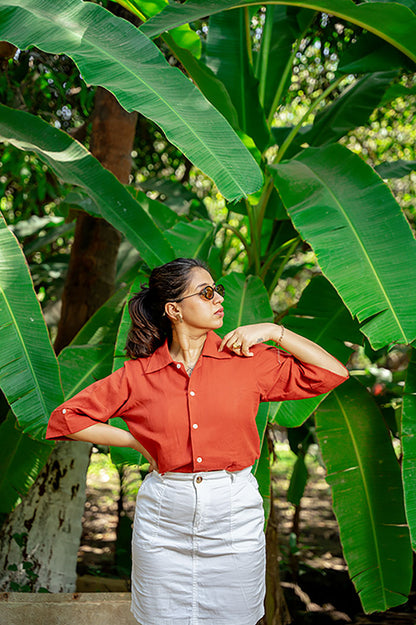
pixel 204 422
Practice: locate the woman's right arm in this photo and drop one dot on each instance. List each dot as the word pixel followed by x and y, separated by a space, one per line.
pixel 104 434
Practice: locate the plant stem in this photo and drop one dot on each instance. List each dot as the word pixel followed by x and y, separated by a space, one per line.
pixel 283 264
pixel 240 237
pixel 279 91
pixel 273 256
pixel 248 36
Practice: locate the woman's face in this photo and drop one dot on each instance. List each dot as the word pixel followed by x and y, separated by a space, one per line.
pixel 197 311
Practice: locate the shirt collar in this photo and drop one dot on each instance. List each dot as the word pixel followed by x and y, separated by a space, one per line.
pixel 161 356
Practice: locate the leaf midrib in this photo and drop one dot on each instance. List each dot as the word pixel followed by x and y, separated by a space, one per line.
pixel 366 256
pixel 366 491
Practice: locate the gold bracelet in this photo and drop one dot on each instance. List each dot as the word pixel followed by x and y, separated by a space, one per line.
pixel 281 335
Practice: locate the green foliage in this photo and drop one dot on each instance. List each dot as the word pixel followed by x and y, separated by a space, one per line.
pixel 21 461
pixel 72 162
pixel 346 188
pixel 367 493
pixel 137 73
pixel 409 445
pixel 291 83
pixel 28 366
pixel 393 22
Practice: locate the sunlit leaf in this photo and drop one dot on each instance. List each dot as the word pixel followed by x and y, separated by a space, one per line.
pixel 111 52
pixel 364 475
pixel 21 461
pixel 320 316
pixel 29 376
pixel 370 260
pixel 409 445
pixel 391 21
pixel 74 164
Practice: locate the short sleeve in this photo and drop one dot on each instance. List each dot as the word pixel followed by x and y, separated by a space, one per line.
pixel 281 376
pixel 95 404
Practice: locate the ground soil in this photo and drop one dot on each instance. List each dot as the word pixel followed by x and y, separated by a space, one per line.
pixel 314 574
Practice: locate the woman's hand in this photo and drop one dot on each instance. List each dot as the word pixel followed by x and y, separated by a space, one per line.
pixel 242 338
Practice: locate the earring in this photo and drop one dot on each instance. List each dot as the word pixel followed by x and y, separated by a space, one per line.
pixel 179 317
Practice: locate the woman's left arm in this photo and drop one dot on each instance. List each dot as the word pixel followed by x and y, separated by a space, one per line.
pixel 242 338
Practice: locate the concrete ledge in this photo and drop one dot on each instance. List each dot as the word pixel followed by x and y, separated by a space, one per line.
pixel 104 608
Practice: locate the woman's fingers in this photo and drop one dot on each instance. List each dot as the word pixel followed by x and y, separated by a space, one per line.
pixel 236 342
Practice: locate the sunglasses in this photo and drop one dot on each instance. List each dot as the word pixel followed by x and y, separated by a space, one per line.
pixel 208 292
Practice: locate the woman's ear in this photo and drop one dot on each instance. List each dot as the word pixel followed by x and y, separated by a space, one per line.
pixel 172 312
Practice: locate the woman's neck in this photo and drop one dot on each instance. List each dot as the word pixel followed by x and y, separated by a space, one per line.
pixel 186 348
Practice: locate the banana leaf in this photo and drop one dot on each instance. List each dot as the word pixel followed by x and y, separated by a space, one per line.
pixel 184 37
pixel 282 27
pixel 321 317
pixel 369 54
pixel 21 461
pixel 395 169
pixel 89 356
pixel 74 164
pixel 226 54
pixel 364 475
pixel 125 455
pixel 29 375
pixel 361 238
pixel 409 445
pixel 191 240
pixel 351 109
pixel 246 301
pixel 391 21
pixel 114 54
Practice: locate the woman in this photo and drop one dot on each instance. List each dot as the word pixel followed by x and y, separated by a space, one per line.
pixel 190 400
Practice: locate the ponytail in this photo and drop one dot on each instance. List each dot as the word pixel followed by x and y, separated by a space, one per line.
pixel 150 326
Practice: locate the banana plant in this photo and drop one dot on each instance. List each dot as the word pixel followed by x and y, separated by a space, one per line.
pixel 315 192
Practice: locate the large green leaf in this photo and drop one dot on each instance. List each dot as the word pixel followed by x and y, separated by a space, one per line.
pixel 395 169
pixel 89 356
pixel 212 88
pixel 321 317
pixel 226 53
pixel 21 461
pixel 246 301
pixel 369 54
pixel 389 20
pixel 282 27
pixel 409 445
pixel 191 240
pixel 112 53
pixel 183 36
pixel 75 165
pixel 351 109
pixel 361 238
pixel 125 455
pixel 364 475
pixel 29 376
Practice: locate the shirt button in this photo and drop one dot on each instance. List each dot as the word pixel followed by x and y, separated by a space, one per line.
pixel 195 426
pixel 178 366
pixel 192 393
pixel 64 411
pixel 199 459
pixel 199 479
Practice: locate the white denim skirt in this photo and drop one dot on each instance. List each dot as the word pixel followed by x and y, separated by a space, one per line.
pixel 198 549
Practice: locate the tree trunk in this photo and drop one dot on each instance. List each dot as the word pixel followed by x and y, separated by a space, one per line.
pixel 92 267
pixel 40 542
pixel 276 609
pixel 42 534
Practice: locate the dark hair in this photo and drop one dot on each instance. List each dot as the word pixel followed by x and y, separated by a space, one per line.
pixel 150 327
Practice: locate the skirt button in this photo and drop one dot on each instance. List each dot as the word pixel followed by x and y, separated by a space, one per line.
pixel 198 479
